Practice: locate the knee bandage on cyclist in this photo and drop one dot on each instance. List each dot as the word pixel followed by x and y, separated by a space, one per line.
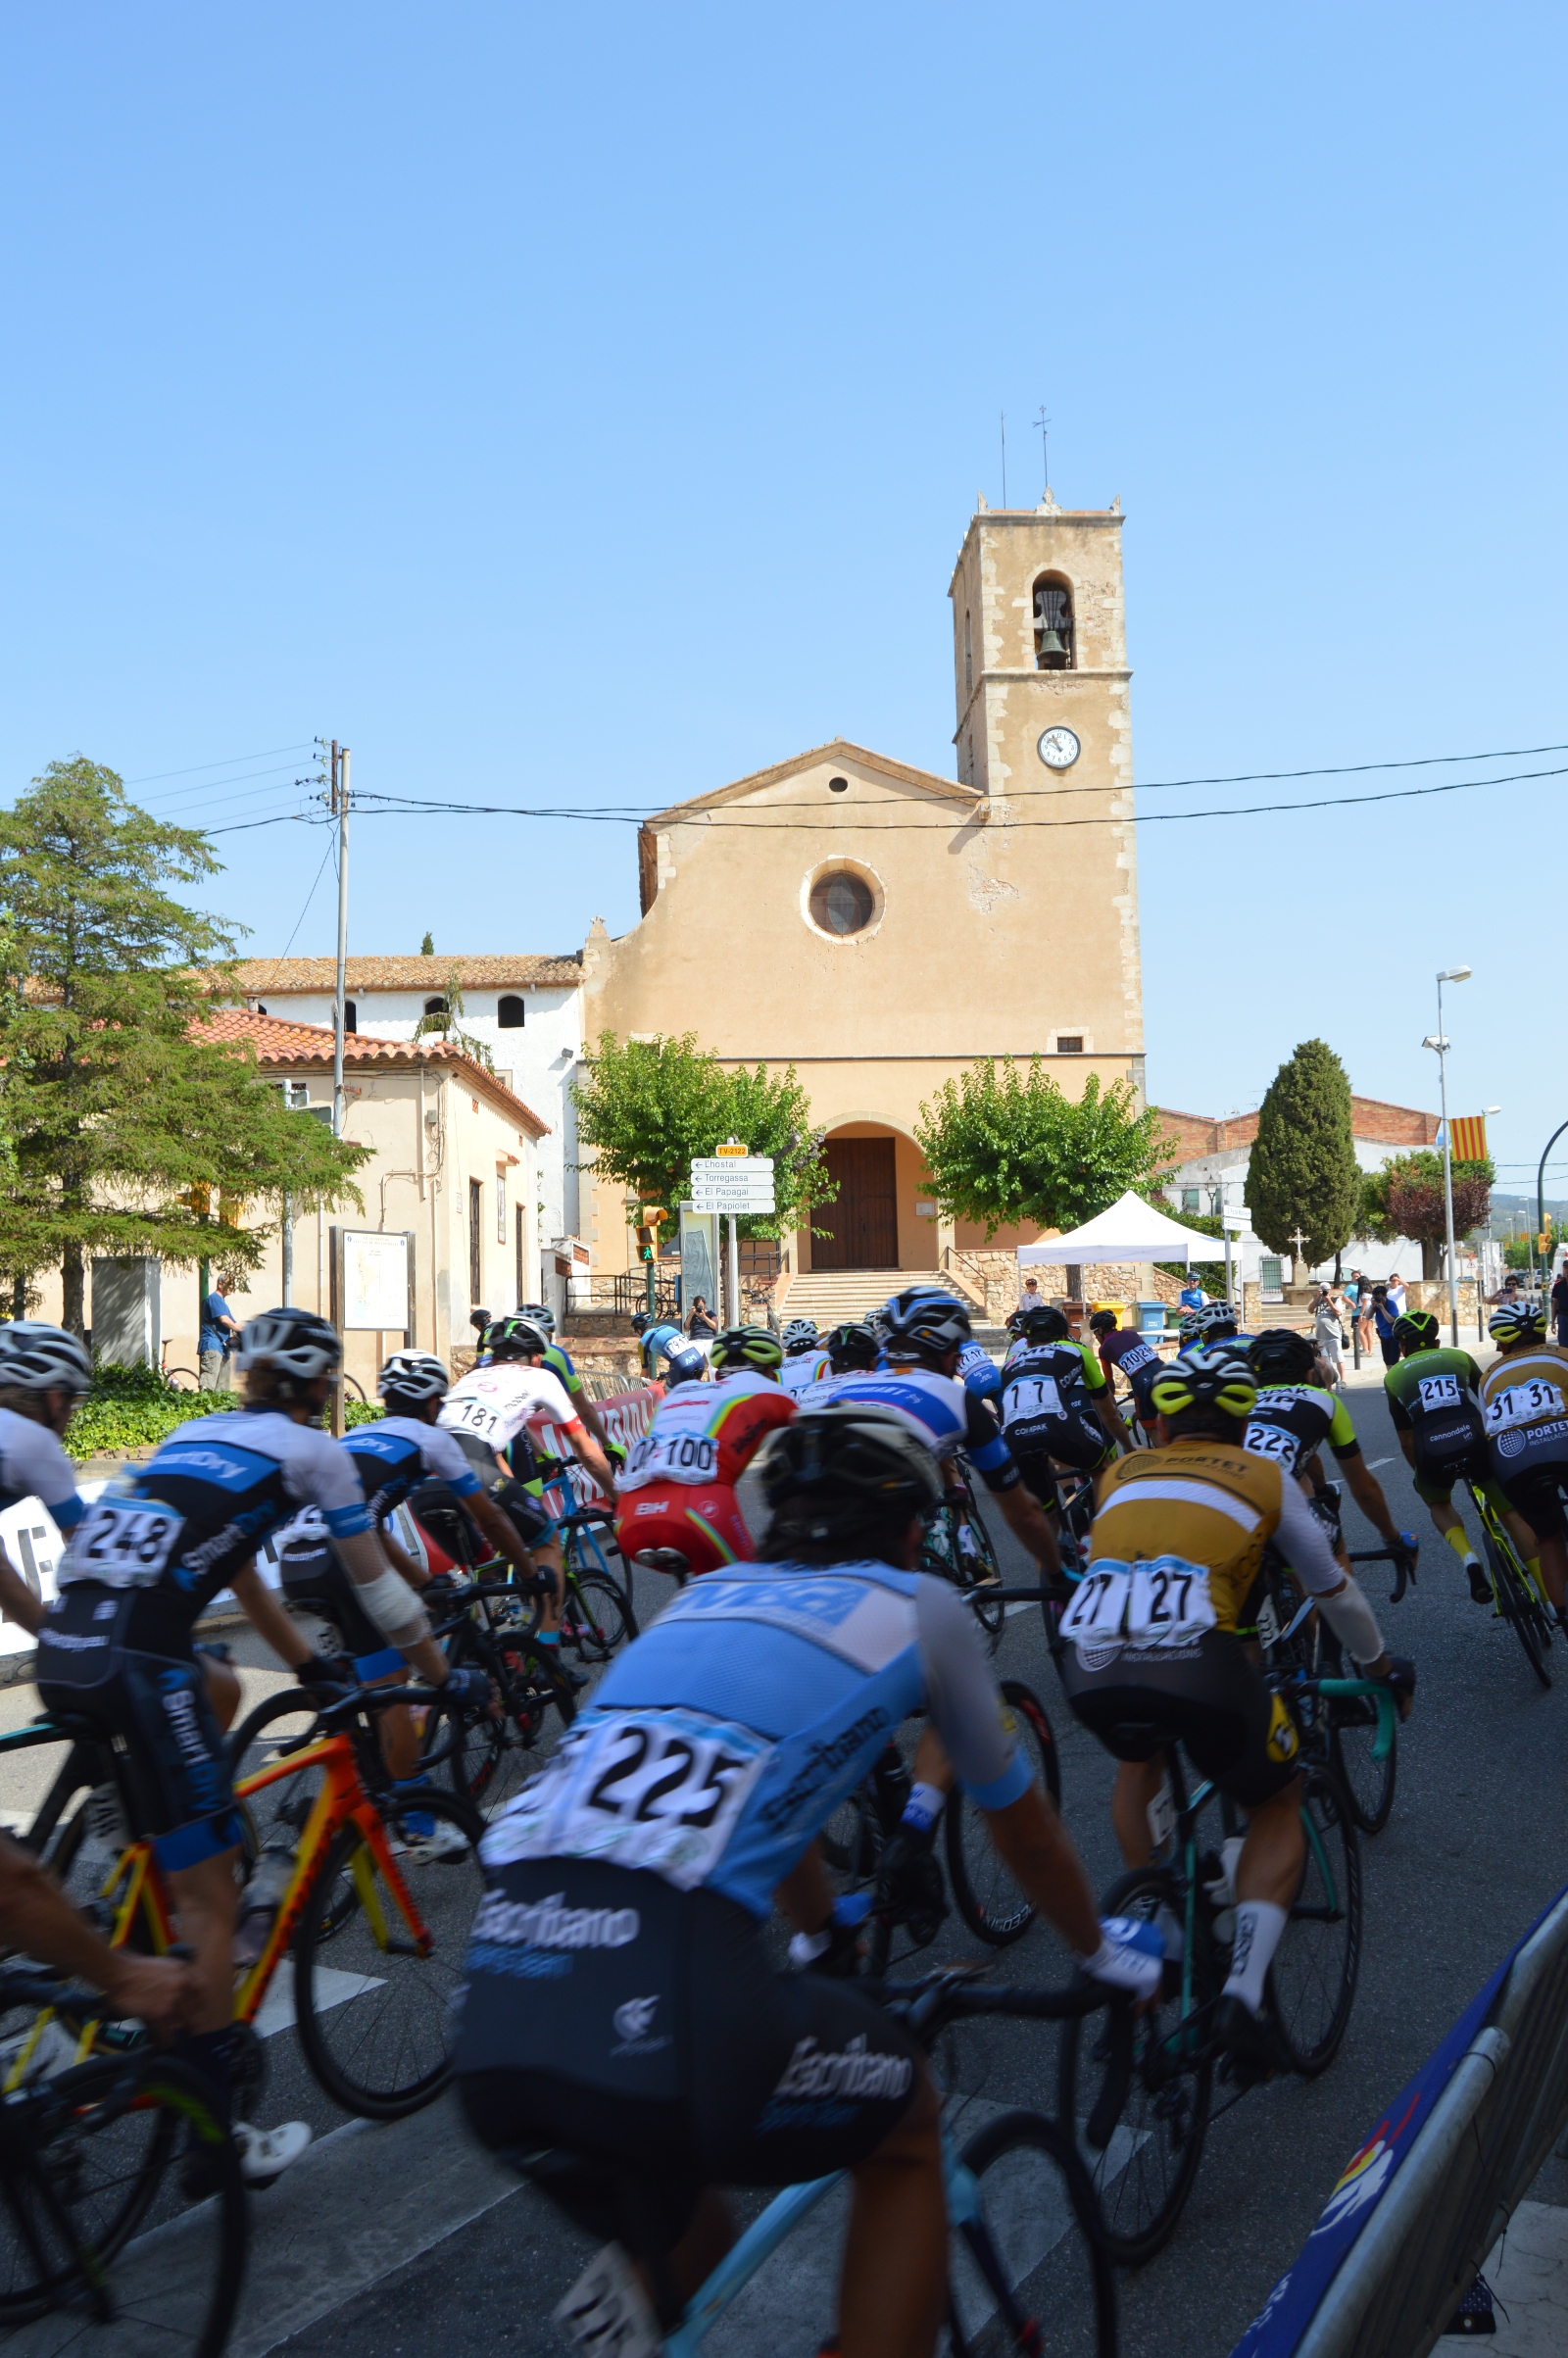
pixel 393 1607
pixel 1354 1622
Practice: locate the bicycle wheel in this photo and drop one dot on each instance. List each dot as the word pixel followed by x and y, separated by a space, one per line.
pixel 1026 2244
pixel 987 1897
pixel 83 2165
pixel 462 1750
pixel 981 1571
pixel 1352 1721
pixel 1518 1601
pixel 372 1997
pixel 596 1619
pixel 1144 2172
pixel 1311 1981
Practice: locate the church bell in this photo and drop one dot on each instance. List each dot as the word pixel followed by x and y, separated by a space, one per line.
pixel 1050 650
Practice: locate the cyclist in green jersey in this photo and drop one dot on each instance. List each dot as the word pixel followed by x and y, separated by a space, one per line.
pixel 1434 1401
pixel 558 1360
pixel 1295 1415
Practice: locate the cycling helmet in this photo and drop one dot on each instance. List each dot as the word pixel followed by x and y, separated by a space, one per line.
pixel 859 1450
pixel 514 1338
pixel 850 1346
pixel 923 1318
pixel 1209 1324
pixel 541 1314
pixel 1103 1322
pixel 300 1343
pixel 38 1357
pixel 1520 1321
pixel 798 1333
pixel 412 1375
pixel 1281 1356
pixel 1205 1379
pixel 747 1347
pixel 1417 1330
pixel 687 1368
pixel 1044 1322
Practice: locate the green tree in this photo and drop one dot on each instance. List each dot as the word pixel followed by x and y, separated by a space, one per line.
pixel 428 948
pixel 649 1107
pixel 116 1100
pixel 1210 1275
pixel 446 1021
pixel 1005 1144
pixel 1302 1172
pixel 1405 1199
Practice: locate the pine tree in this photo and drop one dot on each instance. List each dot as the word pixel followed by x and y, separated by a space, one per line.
pixel 127 1128
pixel 1302 1174
pixel 428 948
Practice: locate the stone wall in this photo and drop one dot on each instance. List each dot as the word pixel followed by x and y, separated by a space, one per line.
pixel 999 1275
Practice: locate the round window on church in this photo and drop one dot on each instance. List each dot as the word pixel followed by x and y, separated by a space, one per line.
pixel 841 901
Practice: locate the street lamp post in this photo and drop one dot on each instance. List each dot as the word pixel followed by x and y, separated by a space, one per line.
pixel 1448 974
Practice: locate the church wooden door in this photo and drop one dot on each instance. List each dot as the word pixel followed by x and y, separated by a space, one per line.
pixel 862 1224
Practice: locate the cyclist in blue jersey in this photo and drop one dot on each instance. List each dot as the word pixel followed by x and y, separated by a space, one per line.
pixel 624 2039
pixel 143 1564
pixel 657 1338
pixel 44 1373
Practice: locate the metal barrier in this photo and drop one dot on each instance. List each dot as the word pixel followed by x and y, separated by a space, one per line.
pixel 1470 2162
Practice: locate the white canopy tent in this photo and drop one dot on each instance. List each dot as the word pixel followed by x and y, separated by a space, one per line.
pixel 1129 1231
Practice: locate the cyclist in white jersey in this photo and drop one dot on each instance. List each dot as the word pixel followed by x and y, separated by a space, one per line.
pixel 43 1373
pixel 852 1349
pixel 806 1360
pixel 497 1408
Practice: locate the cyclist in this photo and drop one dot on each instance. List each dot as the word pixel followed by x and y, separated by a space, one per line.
pixel 1205 1508
pixel 143 1563
pixel 752 1708
pixel 558 1358
pixel 1524 1400
pixel 852 1349
pixel 497 1411
pixel 677 1494
pixel 44 1373
pixel 1124 1351
pixel 1213 1322
pixel 1058 1406
pixel 658 1339
pixel 806 1361
pixel 1434 1397
pixel 391 1457
pixel 1296 1414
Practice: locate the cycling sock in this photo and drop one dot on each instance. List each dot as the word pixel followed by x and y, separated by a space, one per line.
pixel 1168 1925
pixel 1533 1567
pixel 418 1822
pixel 1259 1925
pixel 923 1807
pixel 1461 1545
pixel 547 1637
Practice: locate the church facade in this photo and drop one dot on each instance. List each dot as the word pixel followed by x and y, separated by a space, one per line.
pixel 881 927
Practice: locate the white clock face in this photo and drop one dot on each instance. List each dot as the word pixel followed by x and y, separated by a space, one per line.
pixel 1058 749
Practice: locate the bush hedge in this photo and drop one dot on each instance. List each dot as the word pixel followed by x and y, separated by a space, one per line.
pixel 129 1408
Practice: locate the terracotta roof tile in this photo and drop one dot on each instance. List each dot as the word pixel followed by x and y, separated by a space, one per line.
pixel 278 1042
pixel 530 970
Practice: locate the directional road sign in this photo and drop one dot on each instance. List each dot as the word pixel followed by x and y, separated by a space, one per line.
pixel 738 1183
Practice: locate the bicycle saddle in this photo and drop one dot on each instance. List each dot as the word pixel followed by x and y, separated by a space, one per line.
pixel 664 1559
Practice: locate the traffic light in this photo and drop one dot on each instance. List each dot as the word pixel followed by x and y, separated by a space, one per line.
pixel 229 1209
pixel 197 1200
pixel 650 1219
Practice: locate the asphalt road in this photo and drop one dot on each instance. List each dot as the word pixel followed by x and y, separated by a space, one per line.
pixel 397 2238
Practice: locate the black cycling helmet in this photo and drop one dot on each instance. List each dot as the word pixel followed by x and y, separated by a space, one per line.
pixel 1417 1330
pixel 865 1455
pixel 1281 1356
pixel 851 1346
pixel 1103 1322
pixel 1205 1379
pixel 514 1338
pixel 924 1323
pixel 1043 1322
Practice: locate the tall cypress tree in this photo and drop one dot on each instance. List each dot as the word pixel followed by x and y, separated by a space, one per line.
pixel 123 1125
pixel 1302 1172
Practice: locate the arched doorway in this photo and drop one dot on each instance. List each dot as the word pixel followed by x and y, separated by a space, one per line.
pixel 863 1223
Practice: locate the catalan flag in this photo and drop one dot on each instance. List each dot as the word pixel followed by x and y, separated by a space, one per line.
pixel 1469 1137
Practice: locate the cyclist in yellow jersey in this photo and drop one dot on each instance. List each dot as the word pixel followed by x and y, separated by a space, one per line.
pixel 1154 1656
pixel 1523 1400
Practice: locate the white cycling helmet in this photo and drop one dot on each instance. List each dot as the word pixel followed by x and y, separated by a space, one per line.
pixel 414 1375
pixel 799 1334
pixel 301 1343
pixel 38 1357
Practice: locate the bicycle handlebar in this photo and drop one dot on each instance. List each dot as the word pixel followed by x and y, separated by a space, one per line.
pixel 1401 1558
pixel 952 1995
pixel 1346 1689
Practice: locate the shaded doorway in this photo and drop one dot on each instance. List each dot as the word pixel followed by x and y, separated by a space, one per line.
pixel 862 1224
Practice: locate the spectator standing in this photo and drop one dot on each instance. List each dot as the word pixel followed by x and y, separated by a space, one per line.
pixel 1031 1297
pixel 220 1330
pixel 1327 1334
pixel 1398 1299
pixel 1363 1316
pixel 1560 1303
pixel 1193 1296
pixel 699 1325
pixel 1384 1318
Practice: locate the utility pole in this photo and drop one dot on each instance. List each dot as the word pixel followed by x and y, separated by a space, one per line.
pixel 1440 1043
pixel 340 807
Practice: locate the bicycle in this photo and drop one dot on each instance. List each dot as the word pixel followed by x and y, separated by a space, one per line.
pixel 1518 1598
pixel 1025 2244
pixel 1345 1732
pixel 597 1612
pixel 1152 2093
pixel 490 1631
pixel 86 2154
pixel 959 1547
pixel 373 2031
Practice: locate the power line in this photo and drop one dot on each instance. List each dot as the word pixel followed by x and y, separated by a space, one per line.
pixel 265 755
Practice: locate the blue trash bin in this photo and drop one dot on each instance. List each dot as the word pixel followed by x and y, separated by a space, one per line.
pixel 1152 1317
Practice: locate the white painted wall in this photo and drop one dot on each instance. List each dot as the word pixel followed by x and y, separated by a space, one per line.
pixel 1227 1170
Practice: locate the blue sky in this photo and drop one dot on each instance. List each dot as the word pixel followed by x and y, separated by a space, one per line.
pixel 587 406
